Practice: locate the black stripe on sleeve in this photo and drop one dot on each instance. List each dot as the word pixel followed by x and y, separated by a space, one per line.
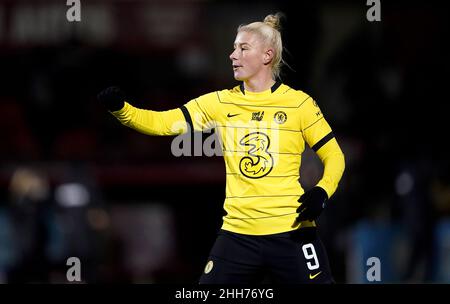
pixel 323 141
pixel 187 116
pixel 190 128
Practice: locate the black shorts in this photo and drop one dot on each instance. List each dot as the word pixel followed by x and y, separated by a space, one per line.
pixel 293 257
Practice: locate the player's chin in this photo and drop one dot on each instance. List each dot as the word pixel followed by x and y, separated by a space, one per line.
pixel 238 76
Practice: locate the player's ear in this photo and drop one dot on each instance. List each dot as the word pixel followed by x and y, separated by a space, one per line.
pixel 268 56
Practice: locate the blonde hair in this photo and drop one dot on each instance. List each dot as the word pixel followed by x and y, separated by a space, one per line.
pixel 269 31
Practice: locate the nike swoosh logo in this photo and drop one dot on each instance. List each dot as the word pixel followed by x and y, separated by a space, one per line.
pixel 232 115
pixel 313 276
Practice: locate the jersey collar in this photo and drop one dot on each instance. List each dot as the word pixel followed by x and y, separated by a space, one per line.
pixel 272 89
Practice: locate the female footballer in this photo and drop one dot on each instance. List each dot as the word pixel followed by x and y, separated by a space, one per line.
pixel 263 125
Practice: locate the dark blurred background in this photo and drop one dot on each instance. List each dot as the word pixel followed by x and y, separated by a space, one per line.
pixel 74 182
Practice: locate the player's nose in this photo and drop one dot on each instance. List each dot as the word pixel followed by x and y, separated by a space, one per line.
pixel 233 55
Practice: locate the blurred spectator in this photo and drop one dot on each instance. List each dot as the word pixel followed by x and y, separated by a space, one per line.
pixel 418 218
pixel 83 221
pixel 30 197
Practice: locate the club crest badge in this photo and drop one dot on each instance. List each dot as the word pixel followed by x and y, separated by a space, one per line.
pixel 280 117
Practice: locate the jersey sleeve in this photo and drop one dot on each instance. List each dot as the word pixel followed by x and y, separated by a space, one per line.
pixel 149 122
pixel 315 129
pixel 318 134
pixel 200 112
pixel 334 165
pixel 196 115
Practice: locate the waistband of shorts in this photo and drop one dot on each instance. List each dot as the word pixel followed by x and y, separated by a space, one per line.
pixel 287 234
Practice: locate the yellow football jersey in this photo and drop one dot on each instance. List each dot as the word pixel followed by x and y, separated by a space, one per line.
pixel 262 135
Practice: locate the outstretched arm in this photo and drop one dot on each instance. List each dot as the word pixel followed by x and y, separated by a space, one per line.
pixel 149 122
pixel 171 122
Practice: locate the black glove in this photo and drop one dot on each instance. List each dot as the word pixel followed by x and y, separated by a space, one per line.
pixel 113 98
pixel 313 202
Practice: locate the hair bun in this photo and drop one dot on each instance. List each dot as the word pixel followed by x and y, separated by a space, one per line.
pixel 274 20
